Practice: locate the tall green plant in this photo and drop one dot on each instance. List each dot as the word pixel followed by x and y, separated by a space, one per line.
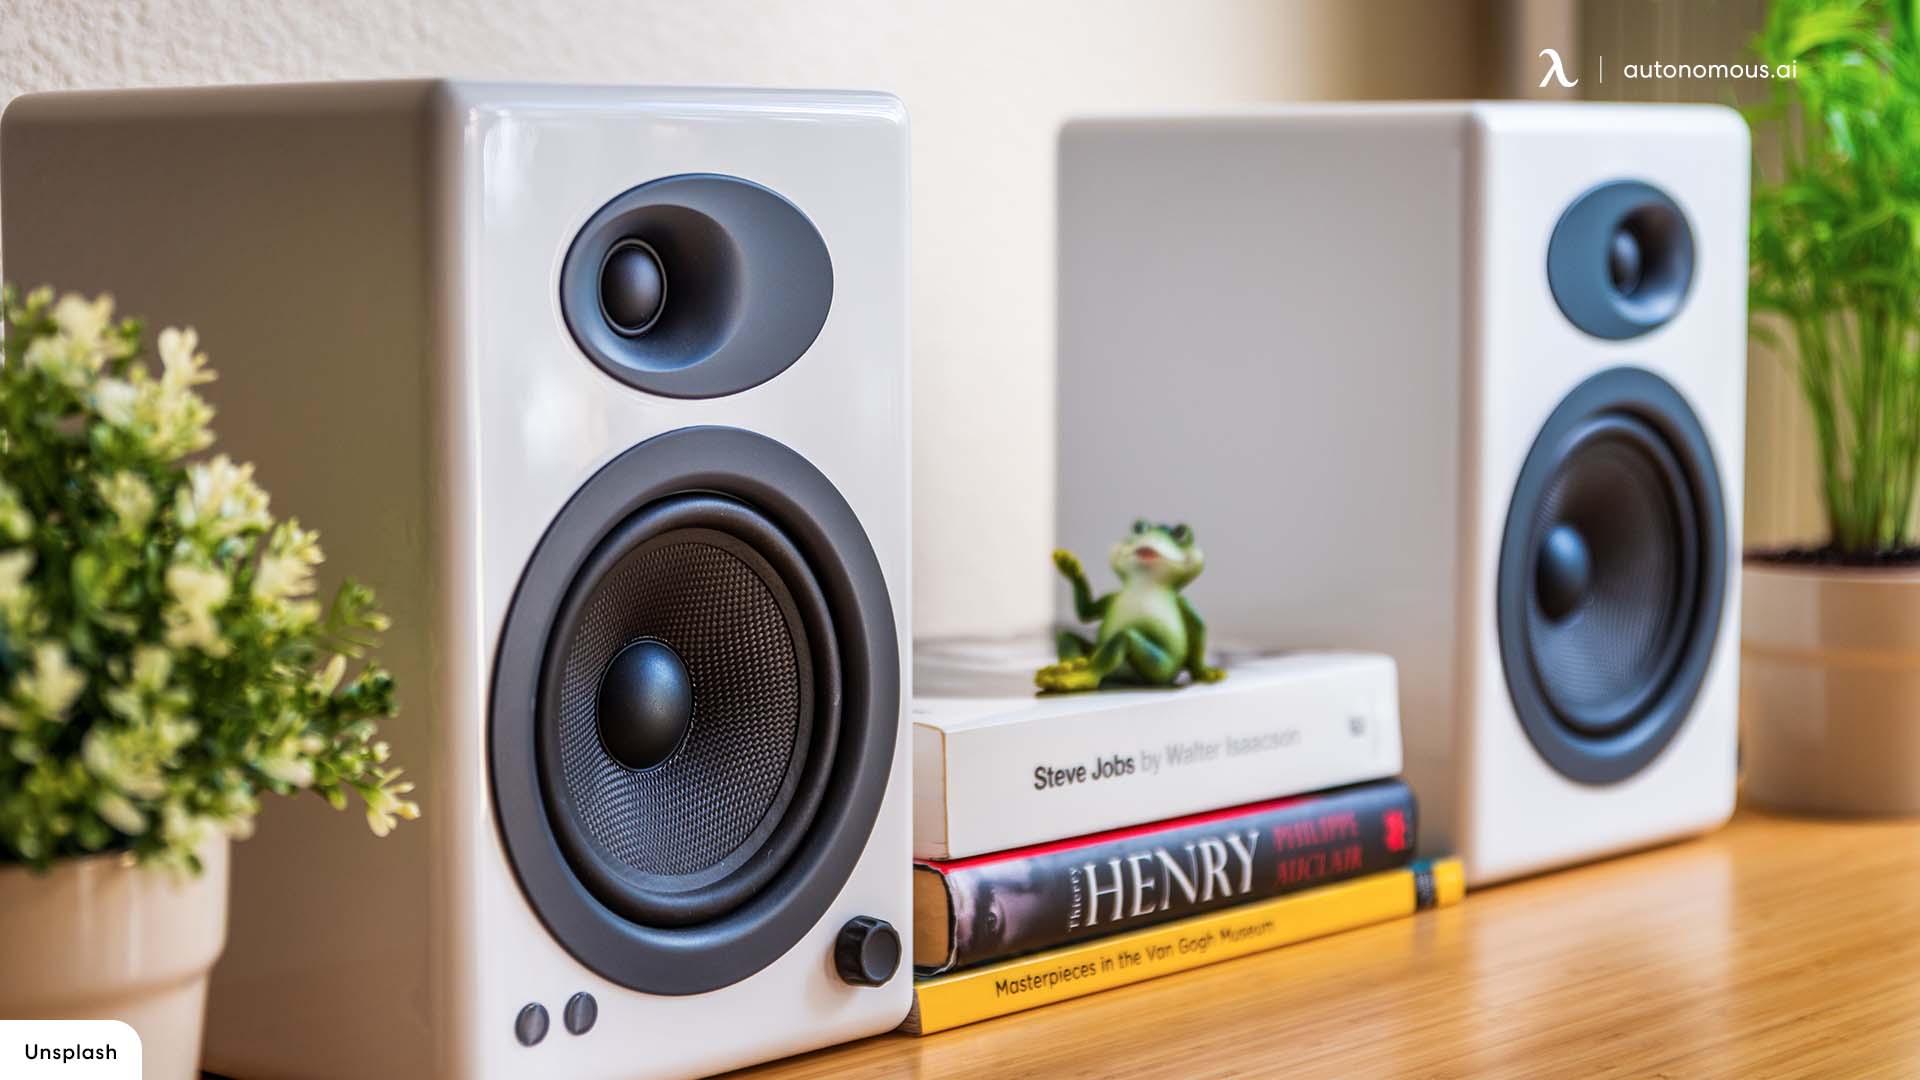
pixel 1835 245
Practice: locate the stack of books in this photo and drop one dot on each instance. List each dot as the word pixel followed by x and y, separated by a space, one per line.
pixel 1065 845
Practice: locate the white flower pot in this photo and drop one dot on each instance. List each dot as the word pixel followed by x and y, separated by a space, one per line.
pixel 96 938
pixel 1830 688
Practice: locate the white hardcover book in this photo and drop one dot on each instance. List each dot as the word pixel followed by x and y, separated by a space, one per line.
pixel 999 768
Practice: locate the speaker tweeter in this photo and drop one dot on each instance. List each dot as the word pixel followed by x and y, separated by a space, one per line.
pixel 1621 260
pixel 751 286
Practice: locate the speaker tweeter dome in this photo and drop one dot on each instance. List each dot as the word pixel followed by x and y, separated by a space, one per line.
pixel 633 287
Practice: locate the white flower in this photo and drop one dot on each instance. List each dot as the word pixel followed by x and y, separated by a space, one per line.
pixel 130 499
pixel 15 522
pixel 282 578
pixel 180 365
pixel 221 498
pixel 152 666
pixel 329 678
pixel 198 587
pixel 15 565
pixel 118 811
pixel 384 805
pixel 54 682
pixel 164 414
pixel 197 591
pixel 67 361
pixel 126 761
pixel 381 823
pixel 15 594
pixel 173 421
pixel 285 766
pixel 83 319
pixel 180 829
pixel 117 401
pixel 126 703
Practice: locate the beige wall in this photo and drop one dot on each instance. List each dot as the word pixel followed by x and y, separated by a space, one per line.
pixel 987 82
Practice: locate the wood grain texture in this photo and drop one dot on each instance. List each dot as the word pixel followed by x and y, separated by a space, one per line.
pixel 1777 947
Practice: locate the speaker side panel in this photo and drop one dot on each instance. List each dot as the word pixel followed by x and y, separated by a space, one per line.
pixel 533 167
pixel 287 224
pixel 1530 165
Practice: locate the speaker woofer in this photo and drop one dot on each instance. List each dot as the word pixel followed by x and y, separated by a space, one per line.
pixel 717 587
pixel 1618 499
pixel 1611 577
pixel 744 564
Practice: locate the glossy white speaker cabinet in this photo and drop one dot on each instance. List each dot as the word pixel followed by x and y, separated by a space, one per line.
pixel 1462 383
pixel 605 392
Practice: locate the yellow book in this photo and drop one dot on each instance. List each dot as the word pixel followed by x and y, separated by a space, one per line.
pixel 948 1001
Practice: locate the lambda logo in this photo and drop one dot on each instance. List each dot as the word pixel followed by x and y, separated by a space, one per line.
pixel 1555 70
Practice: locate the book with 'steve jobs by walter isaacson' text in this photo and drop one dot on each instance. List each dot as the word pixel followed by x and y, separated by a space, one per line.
pixel 992 907
pixel 999 768
pixel 962 997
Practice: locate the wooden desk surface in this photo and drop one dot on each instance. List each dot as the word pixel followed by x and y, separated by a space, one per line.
pixel 1775 947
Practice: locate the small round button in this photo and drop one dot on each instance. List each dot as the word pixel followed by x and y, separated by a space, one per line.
pixel 633 287
pixel 531 1025
pixel 867 952
pixel 580 1013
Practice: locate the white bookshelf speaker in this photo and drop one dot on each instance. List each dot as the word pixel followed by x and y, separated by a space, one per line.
pixel 605 392
pixel 1460 383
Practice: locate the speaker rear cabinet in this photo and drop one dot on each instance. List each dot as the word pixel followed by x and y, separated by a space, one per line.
pixel 604 391
pixel 1461 383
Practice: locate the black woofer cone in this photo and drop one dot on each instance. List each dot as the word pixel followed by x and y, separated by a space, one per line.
pixel 619 903
pixel 1618 490
pixel 701 829
pixel 1611 577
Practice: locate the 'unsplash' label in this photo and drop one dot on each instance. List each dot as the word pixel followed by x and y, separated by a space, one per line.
pixel 69 1050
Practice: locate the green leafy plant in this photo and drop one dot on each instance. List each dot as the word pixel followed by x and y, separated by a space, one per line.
pixel 1835 246
pixel 163 656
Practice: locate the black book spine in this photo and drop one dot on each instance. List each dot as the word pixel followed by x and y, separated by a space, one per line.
pixel 1052 894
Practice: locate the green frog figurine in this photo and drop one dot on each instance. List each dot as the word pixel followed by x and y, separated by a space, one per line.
pixel 1148 632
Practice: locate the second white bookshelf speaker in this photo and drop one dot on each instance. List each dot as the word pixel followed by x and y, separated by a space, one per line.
pixel 605 392
pixel 1464 384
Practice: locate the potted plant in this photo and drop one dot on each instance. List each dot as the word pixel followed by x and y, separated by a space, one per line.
pixel 163 661
pixel 1831 633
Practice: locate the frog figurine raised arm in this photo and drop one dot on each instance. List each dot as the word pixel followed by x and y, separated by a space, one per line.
pixel 1148 632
